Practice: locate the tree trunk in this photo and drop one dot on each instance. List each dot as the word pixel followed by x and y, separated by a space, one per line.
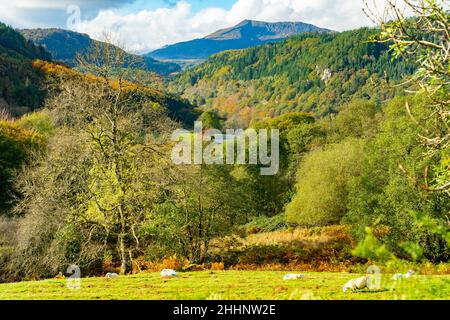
pixel 123 255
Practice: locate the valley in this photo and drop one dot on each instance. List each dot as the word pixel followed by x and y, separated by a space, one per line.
pixel 355 124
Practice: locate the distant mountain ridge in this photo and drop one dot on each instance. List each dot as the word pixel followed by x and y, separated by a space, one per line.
pixel 246 34
pixel 263 31
pixel 64 46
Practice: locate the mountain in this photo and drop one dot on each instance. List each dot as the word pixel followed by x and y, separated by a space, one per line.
pixel 65 45
pixel 314 73
pixel 20 83
pixel 246 34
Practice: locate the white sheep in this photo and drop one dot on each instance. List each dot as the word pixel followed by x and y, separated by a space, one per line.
pixel 399 276
pixel 168 273
pixel 356 284
pixel 111 275
pixel 293 276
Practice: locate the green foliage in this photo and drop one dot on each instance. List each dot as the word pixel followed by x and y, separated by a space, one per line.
pixel 424 41
pixel 14 41
pixel 41 122
pixel 356 119
pixel 383 195
pixel 17 146
pixel 311 73
pixel 267 224
pixel 205 203
pixel 323 185
pixel 211 120
pixel 371 248
pixel 20 85
pixel 285 122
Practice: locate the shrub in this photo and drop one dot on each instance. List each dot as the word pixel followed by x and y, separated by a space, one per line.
pixel 218 266
pixel 173 262
pixel 322 188
pixel 267 224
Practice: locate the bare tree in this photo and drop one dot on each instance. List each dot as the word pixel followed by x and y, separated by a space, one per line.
pixel 112 185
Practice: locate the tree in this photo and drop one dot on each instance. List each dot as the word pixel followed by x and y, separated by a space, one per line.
pixel 117 177
pixel 383 198
pixel 424 40
pixel 323 184
pixel 205 202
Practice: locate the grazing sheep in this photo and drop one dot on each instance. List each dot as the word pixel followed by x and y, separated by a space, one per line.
pixel 399 276
pixel 110 275
pixel 293 276
pixel 355 284
pixel 168 273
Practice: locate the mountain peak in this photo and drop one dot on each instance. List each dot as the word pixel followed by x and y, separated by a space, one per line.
pixel 244 22
pixel 263 31
pixel 248 33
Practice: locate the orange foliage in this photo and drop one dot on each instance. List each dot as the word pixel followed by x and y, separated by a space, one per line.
pixel 61 70
pixel 217 266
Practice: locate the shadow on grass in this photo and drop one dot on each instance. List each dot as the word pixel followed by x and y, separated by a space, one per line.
pixel 373 291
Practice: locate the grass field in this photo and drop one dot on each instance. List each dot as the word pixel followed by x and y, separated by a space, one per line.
pixel 224 285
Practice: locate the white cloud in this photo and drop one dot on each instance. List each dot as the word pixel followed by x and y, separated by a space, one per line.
pixel 151 29
pixel 148 30
pixel 49 13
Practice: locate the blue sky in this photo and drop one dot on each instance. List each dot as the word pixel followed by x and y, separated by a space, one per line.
pixel 145 25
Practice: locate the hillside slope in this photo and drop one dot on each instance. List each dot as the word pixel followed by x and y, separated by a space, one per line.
pixel 20 89
pixel 65 45
pixel 178 109
pixel 314 73
pixel 244 35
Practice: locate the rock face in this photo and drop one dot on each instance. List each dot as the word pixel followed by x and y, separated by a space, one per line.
pixel 246 34
pixel 324 74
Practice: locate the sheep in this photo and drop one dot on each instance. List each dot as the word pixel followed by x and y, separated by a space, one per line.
pixel 110 275
pixel 399 276
pixel 356 284
pixel 168 273
pixel 293 276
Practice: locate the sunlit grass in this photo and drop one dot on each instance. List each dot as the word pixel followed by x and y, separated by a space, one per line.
pixel 227 285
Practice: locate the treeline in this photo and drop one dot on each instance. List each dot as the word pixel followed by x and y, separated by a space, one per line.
pixel 311 72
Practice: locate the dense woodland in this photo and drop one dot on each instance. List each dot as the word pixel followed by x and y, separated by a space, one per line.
pixel 314 73
pixel 20 84
pixel 87 179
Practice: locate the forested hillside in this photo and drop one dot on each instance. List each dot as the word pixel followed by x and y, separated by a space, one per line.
pixel 313 73
pixel 20 84
pixel 65 45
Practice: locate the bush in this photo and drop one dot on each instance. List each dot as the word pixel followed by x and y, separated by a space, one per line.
pixel 322 188
pixel 267 224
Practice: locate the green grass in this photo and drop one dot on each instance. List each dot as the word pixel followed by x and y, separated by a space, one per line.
pixel 223 285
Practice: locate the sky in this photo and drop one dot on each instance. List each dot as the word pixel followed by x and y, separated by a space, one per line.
pixel 145 25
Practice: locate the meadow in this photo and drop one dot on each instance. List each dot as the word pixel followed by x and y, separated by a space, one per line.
pixel 228 285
